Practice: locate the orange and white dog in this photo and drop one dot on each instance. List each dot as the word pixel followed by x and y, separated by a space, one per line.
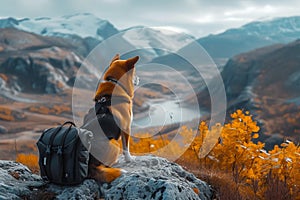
pixel 117 85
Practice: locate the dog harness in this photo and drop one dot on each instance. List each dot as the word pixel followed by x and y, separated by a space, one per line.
pixel 101 114
pixel 115 81
pixel 108 123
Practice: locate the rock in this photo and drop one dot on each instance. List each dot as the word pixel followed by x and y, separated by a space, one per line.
pixel 3 130
pixel 148 177
pixel 31 63
pixel 88 190
pixel 16 180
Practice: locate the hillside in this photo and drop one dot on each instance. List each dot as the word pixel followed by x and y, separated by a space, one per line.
pixel 32 63
pixel 37 74
pixel 41 57
pixel 266 82
pixel 252 36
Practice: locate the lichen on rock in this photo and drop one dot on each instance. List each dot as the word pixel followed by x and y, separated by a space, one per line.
pixel 147 177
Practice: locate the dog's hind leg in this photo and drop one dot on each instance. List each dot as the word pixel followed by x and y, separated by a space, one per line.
pixel 125 145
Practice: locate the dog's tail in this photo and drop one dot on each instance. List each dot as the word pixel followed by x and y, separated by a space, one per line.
pixel 105 174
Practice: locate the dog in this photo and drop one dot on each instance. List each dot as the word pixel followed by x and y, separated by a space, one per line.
pixel 113 98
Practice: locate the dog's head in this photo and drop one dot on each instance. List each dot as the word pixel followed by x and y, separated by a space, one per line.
pixel 121 73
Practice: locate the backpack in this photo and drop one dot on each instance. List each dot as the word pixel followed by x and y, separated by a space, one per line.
pixel 64 154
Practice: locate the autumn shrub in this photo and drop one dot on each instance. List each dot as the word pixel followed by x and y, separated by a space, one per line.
pixel 30 160
pixel 249 171
pixel 250 166
pixel 236 167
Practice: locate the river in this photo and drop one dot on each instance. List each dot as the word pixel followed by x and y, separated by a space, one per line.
pixel 164 113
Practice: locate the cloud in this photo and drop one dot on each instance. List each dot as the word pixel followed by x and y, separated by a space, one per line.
pixel 199 17
pixel 266 9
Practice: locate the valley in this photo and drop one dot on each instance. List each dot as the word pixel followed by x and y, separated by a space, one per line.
pixel 40 59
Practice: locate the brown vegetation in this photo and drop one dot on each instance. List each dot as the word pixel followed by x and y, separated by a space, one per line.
pixel 55 109
pixel 236 167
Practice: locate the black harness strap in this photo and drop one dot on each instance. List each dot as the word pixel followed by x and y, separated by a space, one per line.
pixel 101 107
pixel 109 124
pixel 108 100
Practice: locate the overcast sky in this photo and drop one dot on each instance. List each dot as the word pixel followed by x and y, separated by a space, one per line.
pixel 196 17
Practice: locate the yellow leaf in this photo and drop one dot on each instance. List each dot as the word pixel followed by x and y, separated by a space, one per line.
pixel 255 136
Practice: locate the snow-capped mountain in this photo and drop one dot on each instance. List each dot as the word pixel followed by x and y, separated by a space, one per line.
pixel 94 30
pixel 251 36
pixel 143 36
pixel 280 29
pixel 84 25
pixel 153 42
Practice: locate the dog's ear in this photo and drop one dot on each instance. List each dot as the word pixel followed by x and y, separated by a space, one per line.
pixel 131 61
pixel 117 57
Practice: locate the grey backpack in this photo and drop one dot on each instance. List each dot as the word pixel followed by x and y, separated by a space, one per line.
pixel 64 154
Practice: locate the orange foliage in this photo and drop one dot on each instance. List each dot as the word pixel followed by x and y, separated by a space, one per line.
pixel 6 114
pixel 30 160
pixel 236 167
pixel 56 109
pixel 248 164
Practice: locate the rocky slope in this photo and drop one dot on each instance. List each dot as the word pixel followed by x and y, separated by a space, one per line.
pixel 36 78
pixel 266 82
pixel 31 63
pixel 148 177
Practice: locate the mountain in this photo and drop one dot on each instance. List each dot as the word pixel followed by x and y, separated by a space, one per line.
pixel 43 55
pixel 83 30
pixel 31 63
pixel 83 25
pixel 93 30
pixel 160 39
pixel 266 82
pixel 252 36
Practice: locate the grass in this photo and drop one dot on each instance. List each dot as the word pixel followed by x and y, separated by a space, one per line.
pixel 29 160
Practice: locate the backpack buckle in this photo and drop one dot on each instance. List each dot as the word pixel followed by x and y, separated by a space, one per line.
pixel 59 150
pixel 48 150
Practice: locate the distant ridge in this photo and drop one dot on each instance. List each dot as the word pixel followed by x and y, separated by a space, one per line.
pixel 252 36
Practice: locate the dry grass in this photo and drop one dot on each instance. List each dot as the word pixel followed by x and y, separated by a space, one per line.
pixel 223 185
pixel 6 114
pixel 55 109
pixel 279 190
pixel 233 170
pixel 30 160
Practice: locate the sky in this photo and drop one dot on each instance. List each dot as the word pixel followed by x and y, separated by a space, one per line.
pixel 196 17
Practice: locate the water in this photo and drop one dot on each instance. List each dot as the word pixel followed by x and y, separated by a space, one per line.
pixel 164 113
